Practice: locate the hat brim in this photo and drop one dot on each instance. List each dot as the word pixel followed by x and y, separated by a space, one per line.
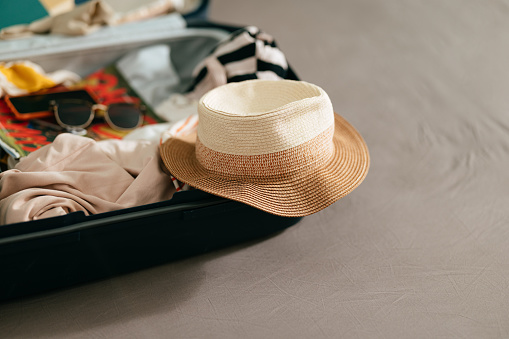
pixel 297 194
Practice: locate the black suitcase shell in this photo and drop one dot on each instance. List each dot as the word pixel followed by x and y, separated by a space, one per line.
pixel 56 252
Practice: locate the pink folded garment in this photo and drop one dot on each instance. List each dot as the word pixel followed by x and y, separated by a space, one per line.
pixel 79 174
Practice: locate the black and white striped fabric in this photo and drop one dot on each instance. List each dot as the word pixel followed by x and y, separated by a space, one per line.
pixel 247 54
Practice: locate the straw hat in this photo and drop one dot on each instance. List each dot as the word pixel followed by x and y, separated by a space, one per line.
pixel 274 145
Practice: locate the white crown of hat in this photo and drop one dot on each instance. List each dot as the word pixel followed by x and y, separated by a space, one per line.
pixel 252 119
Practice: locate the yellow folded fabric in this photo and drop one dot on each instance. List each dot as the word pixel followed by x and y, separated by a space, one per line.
pixel 23 77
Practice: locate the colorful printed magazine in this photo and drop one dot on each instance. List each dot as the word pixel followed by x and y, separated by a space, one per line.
pixel 20 137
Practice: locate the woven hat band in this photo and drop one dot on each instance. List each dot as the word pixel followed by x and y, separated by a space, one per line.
pixel 314 153
pixel 260 117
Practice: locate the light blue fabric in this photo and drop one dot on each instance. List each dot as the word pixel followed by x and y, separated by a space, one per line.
pixel 150 73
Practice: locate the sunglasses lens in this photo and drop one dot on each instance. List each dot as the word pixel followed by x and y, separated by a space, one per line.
pixel 73 114
pixel 125 116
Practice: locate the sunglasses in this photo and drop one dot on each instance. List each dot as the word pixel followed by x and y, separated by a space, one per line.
pixel 75 114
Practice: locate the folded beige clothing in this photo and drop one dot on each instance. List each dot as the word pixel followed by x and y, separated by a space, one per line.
pixel 91 15
pixel 83 19
pixel 79 174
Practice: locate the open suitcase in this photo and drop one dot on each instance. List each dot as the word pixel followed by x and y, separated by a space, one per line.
pixel 62 251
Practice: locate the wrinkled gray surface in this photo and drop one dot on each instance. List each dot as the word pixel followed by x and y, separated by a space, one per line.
pixel 420 249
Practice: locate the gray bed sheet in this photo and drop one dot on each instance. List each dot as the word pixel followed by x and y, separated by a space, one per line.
pixel 419 250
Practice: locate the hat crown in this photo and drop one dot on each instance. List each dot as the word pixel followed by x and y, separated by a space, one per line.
pixel 262 116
